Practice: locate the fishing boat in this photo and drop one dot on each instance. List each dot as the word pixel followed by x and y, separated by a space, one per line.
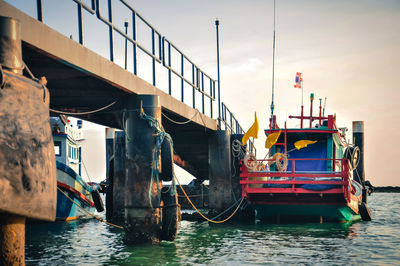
pixel 310 174
pixel 75 197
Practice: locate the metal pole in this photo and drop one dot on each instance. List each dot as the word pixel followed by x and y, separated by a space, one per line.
pixel 169 70
pixel 134 45
pixel 153 52
pixel 323 111
pixel 126 24
pixel 320 111
pixel 80 23
pixel 273 69
pixel 219 83
pixel 311 107
pixel 39 7
pixel 110 29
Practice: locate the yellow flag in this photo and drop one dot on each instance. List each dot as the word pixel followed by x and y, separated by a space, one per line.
pixel 272 139
pixel 252 132
pixel 303 143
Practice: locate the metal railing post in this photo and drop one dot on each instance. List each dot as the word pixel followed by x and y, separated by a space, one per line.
pixel 182 74
pixel 169 70
pixel 126 24
pixel 211 99
pixel 80 23
pixel 39 8
pixel 153 52
pixel 110 29
pixel 134 45
pixel 194 100
pixel 202 89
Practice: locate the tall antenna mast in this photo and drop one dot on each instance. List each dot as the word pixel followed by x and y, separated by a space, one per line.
pixel 273 70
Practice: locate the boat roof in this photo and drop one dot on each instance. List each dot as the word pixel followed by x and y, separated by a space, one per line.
pixel 303 130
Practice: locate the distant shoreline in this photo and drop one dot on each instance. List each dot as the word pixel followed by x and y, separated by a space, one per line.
pixel 390 189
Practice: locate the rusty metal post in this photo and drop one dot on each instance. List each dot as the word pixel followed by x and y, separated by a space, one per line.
pixel 142 193
pixel 119 178
pixel 10 43
pixel 219 153
pixel 12 240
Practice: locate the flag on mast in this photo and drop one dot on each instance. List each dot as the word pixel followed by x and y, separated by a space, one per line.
pixel 252 132
pixel 298 80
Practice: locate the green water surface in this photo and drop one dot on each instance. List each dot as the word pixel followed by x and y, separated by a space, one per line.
pixel 92 243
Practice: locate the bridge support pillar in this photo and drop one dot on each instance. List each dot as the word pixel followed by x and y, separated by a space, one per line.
pixel 236 157
pixel 110 132
pixel 219 163
pixel 142 192
pixel 246 214
pixel 118 213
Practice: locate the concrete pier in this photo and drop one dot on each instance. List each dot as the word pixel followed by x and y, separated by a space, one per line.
pixel 27 165
pixel 220 194
pixel 142 193
pixel 118 213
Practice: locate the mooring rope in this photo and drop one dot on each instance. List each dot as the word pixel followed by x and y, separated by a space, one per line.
pixel 94 216
pixel 155 171
pixel 84 113
pixel 202 215
pixel 42 81
pixel 180 123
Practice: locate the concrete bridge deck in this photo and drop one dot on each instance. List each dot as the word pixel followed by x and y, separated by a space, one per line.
pixel 80 80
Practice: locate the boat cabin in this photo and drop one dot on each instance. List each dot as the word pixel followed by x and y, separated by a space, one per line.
pixel 67 138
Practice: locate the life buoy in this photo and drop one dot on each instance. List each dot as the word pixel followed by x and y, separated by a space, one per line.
pixel 171 214
pixel 250 161
pixel 353 154
pixel 260 167
pixel 167 160
pixel 355 157
pixel 281 162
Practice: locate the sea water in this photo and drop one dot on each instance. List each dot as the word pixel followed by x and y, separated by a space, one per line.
pixel 90 242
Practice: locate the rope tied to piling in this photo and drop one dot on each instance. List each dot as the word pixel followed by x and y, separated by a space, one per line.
pixel 240 201
pixel 94 216
pixel 160 135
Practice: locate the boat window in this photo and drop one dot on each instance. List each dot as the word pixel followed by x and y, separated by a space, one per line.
pixel 57 148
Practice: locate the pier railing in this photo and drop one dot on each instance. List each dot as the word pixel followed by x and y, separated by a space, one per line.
pixel 201 86
pixel 230 123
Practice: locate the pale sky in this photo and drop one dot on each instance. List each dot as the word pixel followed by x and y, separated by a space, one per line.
pixel 348 51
